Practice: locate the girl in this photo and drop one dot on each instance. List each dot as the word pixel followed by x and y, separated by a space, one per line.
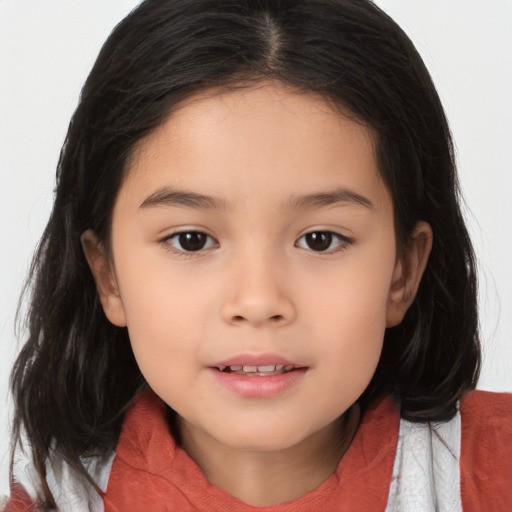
pixel 256 290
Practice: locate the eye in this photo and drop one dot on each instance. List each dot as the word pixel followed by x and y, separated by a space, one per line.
pixel 190 241
pixel 322 241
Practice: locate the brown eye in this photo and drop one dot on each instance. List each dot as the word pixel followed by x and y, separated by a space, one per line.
pixel 322 241
pixel 190 241
pixel 319 240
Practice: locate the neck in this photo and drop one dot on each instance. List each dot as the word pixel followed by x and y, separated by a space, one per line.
pixel 262 478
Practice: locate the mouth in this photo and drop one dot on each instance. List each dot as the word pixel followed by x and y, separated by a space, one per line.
pixel 250 376
pixel 266 370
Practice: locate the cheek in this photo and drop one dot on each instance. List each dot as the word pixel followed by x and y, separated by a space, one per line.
pixel 349 322
pixel 353 298
pixel 348 352
pixel 164 317
pixel 352 340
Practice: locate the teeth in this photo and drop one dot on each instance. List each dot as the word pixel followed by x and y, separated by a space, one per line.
pixel 269 368
pixel 253 369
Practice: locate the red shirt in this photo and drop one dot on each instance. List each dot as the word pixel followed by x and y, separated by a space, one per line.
pixel 151 473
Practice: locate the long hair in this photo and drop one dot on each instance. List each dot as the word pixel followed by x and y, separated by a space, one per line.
pixel 76 372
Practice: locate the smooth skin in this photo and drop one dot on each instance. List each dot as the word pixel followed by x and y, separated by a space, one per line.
pixel 287 247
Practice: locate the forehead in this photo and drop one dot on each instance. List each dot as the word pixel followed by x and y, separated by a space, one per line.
pixel 254 140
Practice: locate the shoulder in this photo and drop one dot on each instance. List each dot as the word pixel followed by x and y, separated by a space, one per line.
pixel 486 420
pixel 71 492
pixel 461 464
pixel 481 408
pixel 486 451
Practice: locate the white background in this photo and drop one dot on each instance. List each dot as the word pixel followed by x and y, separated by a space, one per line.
pixel 47 49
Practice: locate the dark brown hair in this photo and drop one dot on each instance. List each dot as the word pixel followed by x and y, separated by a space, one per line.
pixel 76 372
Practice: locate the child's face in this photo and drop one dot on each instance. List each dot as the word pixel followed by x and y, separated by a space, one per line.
pixel 290 259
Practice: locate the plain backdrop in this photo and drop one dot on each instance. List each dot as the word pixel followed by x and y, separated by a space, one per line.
pixel 47 49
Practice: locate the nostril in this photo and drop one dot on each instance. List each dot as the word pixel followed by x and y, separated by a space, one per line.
pixel 274 318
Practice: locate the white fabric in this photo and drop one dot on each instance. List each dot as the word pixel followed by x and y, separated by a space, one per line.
pixel 70 491
pixel 25 473
pixel 426 474
pixel 73 494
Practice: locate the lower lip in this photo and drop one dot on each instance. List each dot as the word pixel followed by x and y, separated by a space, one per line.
pixel 257 386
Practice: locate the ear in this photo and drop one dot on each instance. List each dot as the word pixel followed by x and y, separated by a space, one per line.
pixel 407 274
pixel 104 277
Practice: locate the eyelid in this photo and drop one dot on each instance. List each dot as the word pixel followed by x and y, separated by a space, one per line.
pixel 166 241
pixel 343 241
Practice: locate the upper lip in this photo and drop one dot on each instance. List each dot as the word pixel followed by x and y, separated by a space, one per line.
pixel 256 360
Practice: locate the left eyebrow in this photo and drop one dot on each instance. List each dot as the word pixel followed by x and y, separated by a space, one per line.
pixel 168 196
pixel 329 198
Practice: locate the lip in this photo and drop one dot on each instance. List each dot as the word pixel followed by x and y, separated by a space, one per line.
pixel 256 360
pixel 247 386
pixel 258 387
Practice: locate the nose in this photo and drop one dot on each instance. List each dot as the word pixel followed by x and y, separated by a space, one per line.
pixel 258 294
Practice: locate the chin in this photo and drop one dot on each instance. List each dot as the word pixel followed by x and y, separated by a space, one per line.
pixel 269 439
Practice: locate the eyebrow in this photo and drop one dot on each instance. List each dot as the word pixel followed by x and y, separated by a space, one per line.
pixel 329 198
pixel 167 196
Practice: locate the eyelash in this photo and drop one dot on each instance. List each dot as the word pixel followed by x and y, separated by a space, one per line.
pixel 167 241
pixel 342 242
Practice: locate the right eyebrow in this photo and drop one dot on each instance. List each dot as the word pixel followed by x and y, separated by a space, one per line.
pixel 168 196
